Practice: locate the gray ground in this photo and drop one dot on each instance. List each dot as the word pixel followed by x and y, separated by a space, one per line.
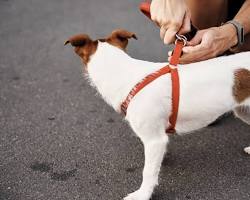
pixel 59 140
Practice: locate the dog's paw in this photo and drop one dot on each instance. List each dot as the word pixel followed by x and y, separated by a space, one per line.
pixel 137 195
pixel 247 150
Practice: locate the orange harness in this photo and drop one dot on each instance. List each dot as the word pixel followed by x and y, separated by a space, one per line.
pixel 172 69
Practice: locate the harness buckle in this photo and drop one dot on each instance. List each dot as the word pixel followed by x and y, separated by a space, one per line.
pixel 181 38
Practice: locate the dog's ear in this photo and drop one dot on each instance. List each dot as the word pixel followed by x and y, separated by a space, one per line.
pixel 119 38
pixel 84 46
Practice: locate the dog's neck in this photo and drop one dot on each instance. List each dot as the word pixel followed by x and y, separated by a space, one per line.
pixel 114 73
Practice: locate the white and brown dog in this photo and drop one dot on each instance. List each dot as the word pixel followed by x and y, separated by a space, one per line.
pixel 208 90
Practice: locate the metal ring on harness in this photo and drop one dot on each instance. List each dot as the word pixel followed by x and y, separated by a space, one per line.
pixel 182 38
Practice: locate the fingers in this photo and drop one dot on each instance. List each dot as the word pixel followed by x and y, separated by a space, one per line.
pixel 195 57
pixel 196 44
pixel 168 32
pixel 162 32
pixel 206 44
pixel 170 53
pixel 196 39
pixel 169 36
pixel 192 49
pixel 190 58
pixel 170 16
pixel 186 25
pixel 194 53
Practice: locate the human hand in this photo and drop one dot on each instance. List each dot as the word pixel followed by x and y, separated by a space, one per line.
pixel 172 16
pixel 209 43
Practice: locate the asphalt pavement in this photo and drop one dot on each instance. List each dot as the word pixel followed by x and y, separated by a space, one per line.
pixel 60 141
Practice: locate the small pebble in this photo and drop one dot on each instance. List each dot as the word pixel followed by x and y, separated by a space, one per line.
pixel 51 118
pixel 110 120
pixel 247 150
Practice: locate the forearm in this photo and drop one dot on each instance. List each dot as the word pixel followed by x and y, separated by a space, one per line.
pixel 243 16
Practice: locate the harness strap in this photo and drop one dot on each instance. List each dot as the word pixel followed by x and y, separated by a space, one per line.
pixel 143 83
pixel 175 86
pixel 172 69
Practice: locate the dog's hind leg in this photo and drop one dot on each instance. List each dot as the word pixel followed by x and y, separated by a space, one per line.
pixel 154 148
pixel 243 113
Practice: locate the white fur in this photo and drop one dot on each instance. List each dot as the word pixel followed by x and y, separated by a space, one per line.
pixel 205 94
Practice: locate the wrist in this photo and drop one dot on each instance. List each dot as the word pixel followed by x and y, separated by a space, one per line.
pixel 230 34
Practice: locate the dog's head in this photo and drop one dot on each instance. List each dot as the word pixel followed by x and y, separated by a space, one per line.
pixel 85 47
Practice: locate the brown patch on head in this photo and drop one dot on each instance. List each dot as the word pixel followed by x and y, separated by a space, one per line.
pixel 119 38
pixel 84 46
pixel 241 88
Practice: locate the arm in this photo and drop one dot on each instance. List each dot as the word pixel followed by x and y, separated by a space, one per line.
pixel 214 41
pixel 243 16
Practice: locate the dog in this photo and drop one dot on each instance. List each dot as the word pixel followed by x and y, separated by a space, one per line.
pixel 208 89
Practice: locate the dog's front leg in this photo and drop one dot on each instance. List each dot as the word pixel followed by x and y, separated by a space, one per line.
pixel 154 149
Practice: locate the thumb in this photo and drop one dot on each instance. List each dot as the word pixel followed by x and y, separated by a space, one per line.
pixel 196 39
